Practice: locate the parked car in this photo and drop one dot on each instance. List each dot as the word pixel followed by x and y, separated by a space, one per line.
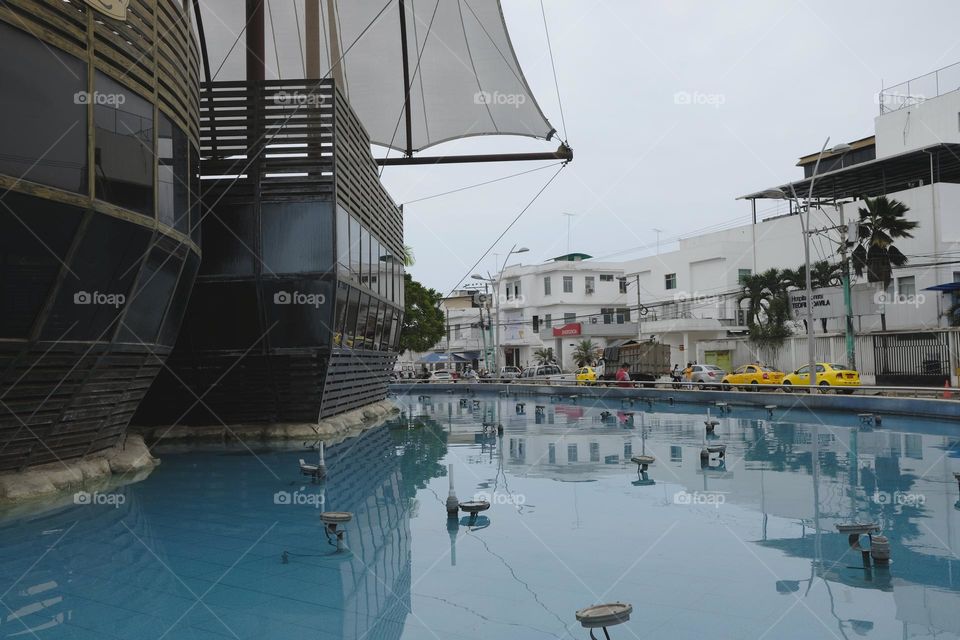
pixel 751 376
pixel 544 372
pixel 441 375
pixel 586 375
pixel 706 375
pixel 828 375
pixel 509 373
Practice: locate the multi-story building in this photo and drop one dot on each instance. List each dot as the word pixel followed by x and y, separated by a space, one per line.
pixel 558 303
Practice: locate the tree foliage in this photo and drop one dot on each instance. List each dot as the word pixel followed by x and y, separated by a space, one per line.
pixel 423 320
pixel 881 222
pixel 585 353
pixel 544 355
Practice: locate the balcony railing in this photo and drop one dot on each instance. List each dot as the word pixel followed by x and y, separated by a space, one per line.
pixel 919 89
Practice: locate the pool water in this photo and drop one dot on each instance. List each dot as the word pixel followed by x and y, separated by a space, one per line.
pixel 743 549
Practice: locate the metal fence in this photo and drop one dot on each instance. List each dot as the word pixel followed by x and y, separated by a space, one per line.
pixel 919 89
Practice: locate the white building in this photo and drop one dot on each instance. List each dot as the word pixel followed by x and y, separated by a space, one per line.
pixel 558 303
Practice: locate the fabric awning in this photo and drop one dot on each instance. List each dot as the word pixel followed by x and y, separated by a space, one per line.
pixel 465 79
pixel 947 286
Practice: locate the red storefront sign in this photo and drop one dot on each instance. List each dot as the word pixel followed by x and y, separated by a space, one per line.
pixel 572 329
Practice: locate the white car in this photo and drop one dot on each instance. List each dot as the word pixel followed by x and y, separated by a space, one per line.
pixel 545 372
pixel 509 373
pixel 441 376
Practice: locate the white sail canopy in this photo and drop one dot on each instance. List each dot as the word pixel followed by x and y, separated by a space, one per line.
pixel 464 76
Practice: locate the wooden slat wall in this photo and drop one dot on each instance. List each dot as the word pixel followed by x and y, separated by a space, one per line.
pixel 359 188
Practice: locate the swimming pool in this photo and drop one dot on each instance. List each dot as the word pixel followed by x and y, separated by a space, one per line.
pixel 743 549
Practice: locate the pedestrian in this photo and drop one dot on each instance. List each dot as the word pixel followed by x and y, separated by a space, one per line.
pixel 623 376
pixel 675 374
pixel 688 372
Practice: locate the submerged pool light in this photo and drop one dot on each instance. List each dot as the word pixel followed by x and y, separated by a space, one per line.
pixel 601 616
pixel 332 521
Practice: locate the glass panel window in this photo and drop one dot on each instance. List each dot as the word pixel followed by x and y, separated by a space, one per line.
pixel 623 315
pixel 340 318
pixel 743 274
pixel 569 318
pixel 906 287
pixel 124 155
pixel 350 326
pixel 297 237
pixel 369 336
pixel 172 175
pixel 387 324
pixel 546 286
pixel 670 281
pixel 568 284
pixel 589 284
pixel 343 241
pixel 606 277
pixel 547 321
pixel 44 103
pixel 381 323
pixel 607 313
pixel 355 253
pixel 364 256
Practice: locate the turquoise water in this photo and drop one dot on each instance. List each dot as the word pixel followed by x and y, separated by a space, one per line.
pixel 747 549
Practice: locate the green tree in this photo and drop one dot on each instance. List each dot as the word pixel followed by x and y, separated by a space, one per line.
pixel 881 222
pixel 408 257
pixel 544 355
pixel 585 353
pixel 767 306
pixel 423 321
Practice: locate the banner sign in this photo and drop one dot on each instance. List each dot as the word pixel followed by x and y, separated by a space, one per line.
pixel 572 329
pixel 828 302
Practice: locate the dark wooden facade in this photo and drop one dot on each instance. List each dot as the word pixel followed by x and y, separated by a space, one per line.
pixel 297 308
pixel 98 166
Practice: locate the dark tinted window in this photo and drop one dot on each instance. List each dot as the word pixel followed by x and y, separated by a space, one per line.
pixel 150 299
pixel 355 259
pixel 178 306
pixel 343 292
pixel 94 297
pixel 350 326
pixel 228 240
pixel 223 315
pixel 123 164
pixel 172 176
pixel 35 236
pixel 297 237
pixel 386 326
pixel 343 240
pixel 359 340
pixel 300 312
pixel 43 131
pixel 196 204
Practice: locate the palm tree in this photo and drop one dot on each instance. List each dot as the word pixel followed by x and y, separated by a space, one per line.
pixel 881 222
pixel 544 355
pixel 823 274
pixel 768 307
pixel 408 258
pixel 585 353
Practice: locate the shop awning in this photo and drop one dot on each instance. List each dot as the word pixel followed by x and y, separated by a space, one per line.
pixel 947 286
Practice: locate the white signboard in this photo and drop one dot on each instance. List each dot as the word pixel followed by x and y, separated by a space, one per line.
pixel 828 302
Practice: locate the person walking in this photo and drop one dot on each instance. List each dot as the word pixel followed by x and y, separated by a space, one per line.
pixel 675 374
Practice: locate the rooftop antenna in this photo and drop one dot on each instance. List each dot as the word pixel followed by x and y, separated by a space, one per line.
pixel 658 232
pixel 569 216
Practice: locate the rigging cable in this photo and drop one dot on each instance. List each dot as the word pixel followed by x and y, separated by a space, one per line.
pixel 509 226
pixel 556 83
pixel 481 184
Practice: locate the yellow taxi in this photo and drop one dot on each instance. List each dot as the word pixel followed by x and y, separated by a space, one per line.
pixel 586 375
pixel 828 375
pixel 751 376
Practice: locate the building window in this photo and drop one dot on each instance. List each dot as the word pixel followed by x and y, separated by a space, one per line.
pixel 516 289
pixel 572 453
pixel 623 285
pixel 607 313
pixel 509 291
pixel 547 321
pixel 606 277
pixel 670 281
pixel 569 318
pixel 589 284
pixel 568 284
pixel 456 332
pixel 623 315
pixel 546 286
pixel 743 274
pixel 906 287
pixel 173 176
pixel 536 324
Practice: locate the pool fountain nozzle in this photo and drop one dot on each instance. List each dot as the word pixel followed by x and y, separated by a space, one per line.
pixel 332 520
pixel 453 505
pixel 710 422
pixel 601 616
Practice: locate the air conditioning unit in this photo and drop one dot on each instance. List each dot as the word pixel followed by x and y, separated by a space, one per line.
pixel 593 320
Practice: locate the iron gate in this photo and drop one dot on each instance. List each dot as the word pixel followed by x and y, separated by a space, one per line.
pixel 912 359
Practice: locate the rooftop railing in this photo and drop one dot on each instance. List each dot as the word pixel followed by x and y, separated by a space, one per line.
pixel 919 89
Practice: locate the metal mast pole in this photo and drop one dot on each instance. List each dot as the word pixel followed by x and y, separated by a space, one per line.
pixel 847 297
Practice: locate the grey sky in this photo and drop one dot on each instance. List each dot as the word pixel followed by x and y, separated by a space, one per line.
pixel 780 76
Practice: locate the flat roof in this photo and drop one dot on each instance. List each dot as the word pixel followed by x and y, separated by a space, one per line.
pixel 877 177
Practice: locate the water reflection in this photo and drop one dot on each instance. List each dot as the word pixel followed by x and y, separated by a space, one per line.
pixel 788 466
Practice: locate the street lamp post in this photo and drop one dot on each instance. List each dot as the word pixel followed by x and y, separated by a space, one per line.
pixel 805 226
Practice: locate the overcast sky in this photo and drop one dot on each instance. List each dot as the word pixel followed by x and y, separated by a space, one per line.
pixel 773 79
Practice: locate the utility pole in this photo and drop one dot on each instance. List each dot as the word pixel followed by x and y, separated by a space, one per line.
pixel 639 306
pixel 847 294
